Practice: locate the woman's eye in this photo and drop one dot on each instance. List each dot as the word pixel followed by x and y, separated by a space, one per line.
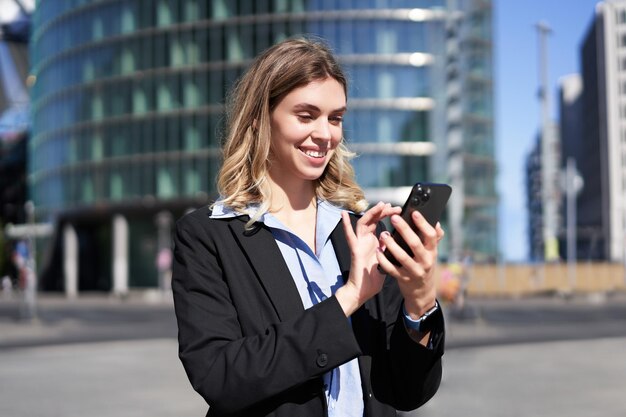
pixel 336 119
pixel 305 116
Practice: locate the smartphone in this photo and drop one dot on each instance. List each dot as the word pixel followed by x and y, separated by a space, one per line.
pixel 430 200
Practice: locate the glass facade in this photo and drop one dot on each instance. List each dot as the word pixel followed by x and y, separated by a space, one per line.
pixel 128 98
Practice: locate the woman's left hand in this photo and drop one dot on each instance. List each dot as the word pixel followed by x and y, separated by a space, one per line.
pixel 365 280
pixel 415 275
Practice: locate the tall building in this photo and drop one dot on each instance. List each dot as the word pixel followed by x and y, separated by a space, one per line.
pixel 533 203
pixel 128 107
pixel 539 247
pixel 570 124
pixel 602 159
pixel 14 124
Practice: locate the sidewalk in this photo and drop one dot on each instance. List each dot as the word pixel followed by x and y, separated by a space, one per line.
pixel 485 321
pixel 89 318
pixel 490 369
pixel 495 321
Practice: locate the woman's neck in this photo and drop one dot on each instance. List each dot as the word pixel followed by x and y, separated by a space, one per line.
pixel 292 196
pixel 296 209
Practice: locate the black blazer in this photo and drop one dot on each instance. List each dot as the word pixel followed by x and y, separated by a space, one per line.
pixel 251 349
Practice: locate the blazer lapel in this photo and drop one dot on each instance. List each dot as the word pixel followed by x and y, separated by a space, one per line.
pixel 342 250
pixel 265 257
pixel 360 317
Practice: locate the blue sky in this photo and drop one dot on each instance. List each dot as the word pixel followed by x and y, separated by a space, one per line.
pixel 516 84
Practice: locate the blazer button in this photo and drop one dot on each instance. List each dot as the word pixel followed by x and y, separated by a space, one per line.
pixel 322 360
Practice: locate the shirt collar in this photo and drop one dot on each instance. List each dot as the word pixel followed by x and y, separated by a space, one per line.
pixel 221 211
pixel 328 216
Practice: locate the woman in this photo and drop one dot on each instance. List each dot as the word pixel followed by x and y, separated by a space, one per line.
pixel 286 305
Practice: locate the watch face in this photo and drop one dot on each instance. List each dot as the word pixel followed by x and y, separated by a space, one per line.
pixel 425 323
pixel 430 319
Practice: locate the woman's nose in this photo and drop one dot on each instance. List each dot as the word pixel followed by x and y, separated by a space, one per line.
pixel 322 129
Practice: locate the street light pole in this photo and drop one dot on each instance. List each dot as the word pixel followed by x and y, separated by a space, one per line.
pixel 548 157
pixel 164 251
pixel 571 184
pixel 30 290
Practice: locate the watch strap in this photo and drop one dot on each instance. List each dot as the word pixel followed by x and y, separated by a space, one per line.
pixel 420 324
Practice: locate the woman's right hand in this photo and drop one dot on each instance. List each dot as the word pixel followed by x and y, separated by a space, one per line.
pixel 364 280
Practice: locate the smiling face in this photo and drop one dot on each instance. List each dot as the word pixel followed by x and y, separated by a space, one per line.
pixel 306 128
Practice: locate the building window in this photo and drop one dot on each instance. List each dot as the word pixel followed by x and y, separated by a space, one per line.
pixel 192 180
pixel 177 52
pixel 221 9
pixel 87 192
pixel 192 137
pixel 129 22
pixel 191 95
pixel 116 191
pixel 385 85
pixel 387 41
pixel 97 106
pixel 164 13
pixel 191 11
pixel 166 182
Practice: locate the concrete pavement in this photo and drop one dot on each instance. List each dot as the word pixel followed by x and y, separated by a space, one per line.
pixel 583 378
pixel 485 321
pixel 542 356
pixel 131 378
pixel 136 378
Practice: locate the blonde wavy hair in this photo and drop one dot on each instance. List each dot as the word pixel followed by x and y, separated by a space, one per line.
pixel 243 177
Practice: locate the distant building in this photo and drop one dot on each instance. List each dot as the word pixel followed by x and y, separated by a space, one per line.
pixel 572 148
pixel 128 108
pixel 601 154
pixel 14 129
pixel 537 248
pixel 14 123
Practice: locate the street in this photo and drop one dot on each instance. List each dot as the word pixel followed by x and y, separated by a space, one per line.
pixel 522 357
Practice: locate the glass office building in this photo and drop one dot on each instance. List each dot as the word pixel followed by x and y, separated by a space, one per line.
pixel 128 107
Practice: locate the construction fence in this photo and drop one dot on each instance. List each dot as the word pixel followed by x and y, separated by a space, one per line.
pixel 528 279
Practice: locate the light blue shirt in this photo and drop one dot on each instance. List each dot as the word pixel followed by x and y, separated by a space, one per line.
pixel 317 276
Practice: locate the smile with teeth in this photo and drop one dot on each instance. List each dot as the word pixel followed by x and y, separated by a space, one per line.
pixel 313 153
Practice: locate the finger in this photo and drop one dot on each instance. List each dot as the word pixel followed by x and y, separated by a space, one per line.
pixel 390 210
pixel 428 234
pixel 368 222
pixel 384 264
pixel 407 233
pixel 372 213
pixel 440 232
pixel 347 227
pixel 387 242
pixel 381 240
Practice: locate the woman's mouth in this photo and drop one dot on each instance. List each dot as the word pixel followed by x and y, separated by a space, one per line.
pixel 313 153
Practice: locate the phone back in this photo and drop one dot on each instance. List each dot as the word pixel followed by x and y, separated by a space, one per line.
pixel 430 199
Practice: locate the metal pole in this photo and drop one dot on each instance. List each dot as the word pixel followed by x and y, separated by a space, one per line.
pixel 30 291
pixel 624 255
pixel 570 193
pixel 164 253
pixel 548 157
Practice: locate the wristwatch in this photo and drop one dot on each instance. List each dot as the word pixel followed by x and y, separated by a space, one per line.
pixel 424 324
